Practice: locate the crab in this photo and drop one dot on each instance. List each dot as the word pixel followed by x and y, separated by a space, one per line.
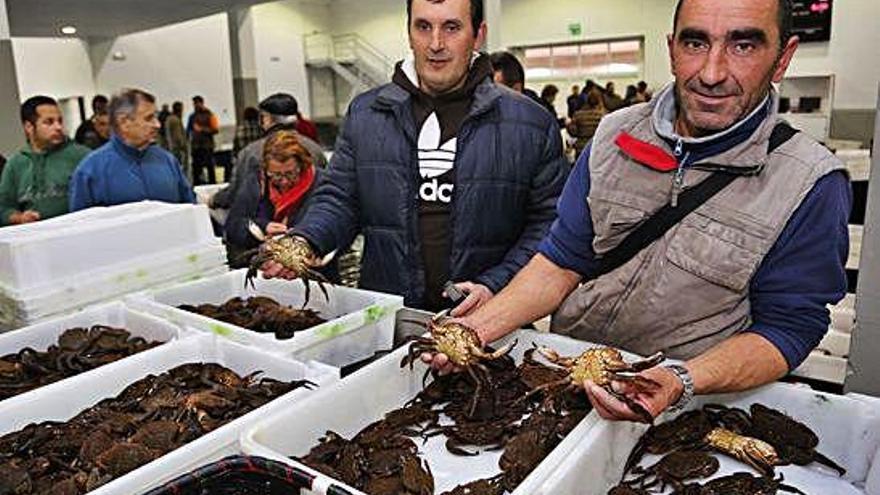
pixel 294 254
pixel 602 365
pixel 746 484
pixel 488 486
pixel 462 345
pixel 754 452
pixel 676 468
pixel 793 440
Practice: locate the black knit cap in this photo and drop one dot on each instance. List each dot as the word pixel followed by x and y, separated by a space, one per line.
pixel 280 104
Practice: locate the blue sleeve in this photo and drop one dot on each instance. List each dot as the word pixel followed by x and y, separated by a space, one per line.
pixel 804 272
pixel 569 244
pixel 80 188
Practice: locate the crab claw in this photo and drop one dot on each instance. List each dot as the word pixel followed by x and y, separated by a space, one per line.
pixel 757 453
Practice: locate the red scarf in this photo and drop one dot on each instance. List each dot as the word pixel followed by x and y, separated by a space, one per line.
pixel 286 203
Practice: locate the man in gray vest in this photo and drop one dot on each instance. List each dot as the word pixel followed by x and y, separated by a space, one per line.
pixel 738 288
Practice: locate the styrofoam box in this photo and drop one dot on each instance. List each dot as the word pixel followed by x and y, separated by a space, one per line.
pixel 843 314
pixel 367 395
pixel 86 390
pixel 848 428
pixel 360 322
pixel 17 314
pixel 818 366
pixel 855 246
pixel 117 314
pixel 45 252
pixel 857 161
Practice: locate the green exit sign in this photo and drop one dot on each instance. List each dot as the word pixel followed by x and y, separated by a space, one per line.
pixel 575 29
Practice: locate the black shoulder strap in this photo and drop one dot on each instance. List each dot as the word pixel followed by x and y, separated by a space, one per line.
pixel 668 216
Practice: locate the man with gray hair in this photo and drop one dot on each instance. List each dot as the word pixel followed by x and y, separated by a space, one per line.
pixel 130 167
pixel 277 112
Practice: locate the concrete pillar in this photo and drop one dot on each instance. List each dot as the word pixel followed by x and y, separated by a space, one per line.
pixel 865 347
pixel 244 67
pixel 492 9
pixel 11 137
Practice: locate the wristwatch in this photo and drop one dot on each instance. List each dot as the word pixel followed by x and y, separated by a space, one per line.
pixel 687 381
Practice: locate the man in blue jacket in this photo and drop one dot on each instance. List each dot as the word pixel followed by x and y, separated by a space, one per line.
pixel 448 176
pixel 130 167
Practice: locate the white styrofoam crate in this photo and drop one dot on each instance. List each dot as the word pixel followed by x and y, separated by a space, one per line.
pixel 45 252
pixel 360 322
pixel 857 161
pixel 42 335
pixel 16 314
pixel 818 366
pixel 855 246
pixel 848 428
pixel 86 390
pixel 367 395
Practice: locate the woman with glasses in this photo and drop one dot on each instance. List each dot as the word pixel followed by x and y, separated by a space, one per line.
pixel 272 201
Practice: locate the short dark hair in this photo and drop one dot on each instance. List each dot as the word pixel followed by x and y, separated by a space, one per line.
pixel 251 113
pixel 510 68
pixel 177 107
pixel 99 101
pixel 783 19
pixel 643 86
pixel 477 15
pixel 198 99
pixel 126 102
pixel 29 108
pixel 549 91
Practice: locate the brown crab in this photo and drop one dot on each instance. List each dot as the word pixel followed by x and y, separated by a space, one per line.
pixel 747 484
pixel 462 345
pixel 294 254
pixel 676 468
pixel 488 486
pixel 794 441
pixel 602 365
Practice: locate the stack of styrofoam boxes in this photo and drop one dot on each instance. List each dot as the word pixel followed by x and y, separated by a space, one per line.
pixel 58 265
pixel 829 361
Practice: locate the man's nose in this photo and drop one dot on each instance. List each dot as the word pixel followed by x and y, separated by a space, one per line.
pixel 715 68
pixel 438 44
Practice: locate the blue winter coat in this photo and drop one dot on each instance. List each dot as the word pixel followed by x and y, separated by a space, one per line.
pixel 509 171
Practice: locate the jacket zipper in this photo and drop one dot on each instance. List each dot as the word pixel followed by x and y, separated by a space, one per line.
pixel 678 178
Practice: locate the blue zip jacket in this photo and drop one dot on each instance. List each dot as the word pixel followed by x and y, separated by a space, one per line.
pixel 803 272
pixel 509 171
pixel 117 173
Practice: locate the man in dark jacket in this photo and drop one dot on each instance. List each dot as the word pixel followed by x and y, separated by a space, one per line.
pixel 448 176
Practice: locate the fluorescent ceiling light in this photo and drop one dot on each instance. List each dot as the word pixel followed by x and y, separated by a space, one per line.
pixel 68 30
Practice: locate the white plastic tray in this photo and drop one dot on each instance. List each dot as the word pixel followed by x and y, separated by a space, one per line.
pixel 360 323
pixel 81 392
pixel 848 428
pixel 42 335
pixel 67 297
pixel 46 252
pixel 364 397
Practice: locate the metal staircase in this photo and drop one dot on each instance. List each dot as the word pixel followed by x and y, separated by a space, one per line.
pixel 351 58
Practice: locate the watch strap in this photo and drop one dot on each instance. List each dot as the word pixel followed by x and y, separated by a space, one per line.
pixel 687 381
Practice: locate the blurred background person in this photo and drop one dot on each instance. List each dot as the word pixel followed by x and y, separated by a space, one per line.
pixel 175 136
pixel 583 126
pixel 574 101
pixel 248 130
pixel 33 185
pixel 203 125
pixel 95 131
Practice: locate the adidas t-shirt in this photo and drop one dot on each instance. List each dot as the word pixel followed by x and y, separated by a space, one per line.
pixel 438 121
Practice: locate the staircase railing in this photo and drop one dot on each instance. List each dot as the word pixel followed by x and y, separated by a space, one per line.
pixel 369 64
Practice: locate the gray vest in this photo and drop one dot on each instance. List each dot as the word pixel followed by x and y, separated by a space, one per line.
pixel 689 290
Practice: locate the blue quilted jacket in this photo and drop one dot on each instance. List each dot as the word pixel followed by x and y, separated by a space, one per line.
pixel 509 171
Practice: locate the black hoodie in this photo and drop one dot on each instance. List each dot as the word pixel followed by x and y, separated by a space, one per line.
pixel 439 119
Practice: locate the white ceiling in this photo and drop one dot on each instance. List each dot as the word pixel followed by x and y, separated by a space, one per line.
pixel 108 18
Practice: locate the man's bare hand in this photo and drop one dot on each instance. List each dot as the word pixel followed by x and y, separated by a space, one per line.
pixel 477 295
pixel 655 401
pixel 29 216
pixel 275 228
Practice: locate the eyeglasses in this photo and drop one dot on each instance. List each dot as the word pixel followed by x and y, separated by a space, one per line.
pixel 291 176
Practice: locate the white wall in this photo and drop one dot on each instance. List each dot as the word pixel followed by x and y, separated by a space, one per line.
pixel 174 63
pixel 4 21
pixel 853 54
pixel 279 29
pixel 380 22
pixel 56 67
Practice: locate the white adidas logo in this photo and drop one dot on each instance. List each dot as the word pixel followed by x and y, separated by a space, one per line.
pixel 435 159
